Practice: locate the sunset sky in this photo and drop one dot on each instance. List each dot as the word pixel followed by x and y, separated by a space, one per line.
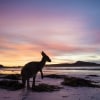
pixel 66 30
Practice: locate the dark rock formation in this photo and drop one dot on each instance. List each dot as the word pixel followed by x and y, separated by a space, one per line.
pixel 12 76
pixel 78 82
pixel 46 88
pixel 10 85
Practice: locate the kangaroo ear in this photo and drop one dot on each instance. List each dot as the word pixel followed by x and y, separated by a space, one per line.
pixel 42 53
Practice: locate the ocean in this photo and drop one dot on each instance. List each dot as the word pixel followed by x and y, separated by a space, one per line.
pixel 87 70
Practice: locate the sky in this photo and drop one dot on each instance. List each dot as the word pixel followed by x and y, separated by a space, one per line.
pixel 66 30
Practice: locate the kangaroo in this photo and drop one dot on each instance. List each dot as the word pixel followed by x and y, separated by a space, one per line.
pixel 32 68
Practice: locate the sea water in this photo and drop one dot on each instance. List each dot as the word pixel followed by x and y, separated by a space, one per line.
pixel 87 70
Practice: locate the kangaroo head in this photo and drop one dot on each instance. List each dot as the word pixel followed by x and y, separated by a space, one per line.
pixel 46 57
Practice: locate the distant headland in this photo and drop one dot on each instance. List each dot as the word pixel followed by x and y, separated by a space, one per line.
pixel 78 63
pixel 1 66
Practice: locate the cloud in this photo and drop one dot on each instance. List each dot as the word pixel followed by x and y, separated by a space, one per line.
pixel 92 38
pixel 26 30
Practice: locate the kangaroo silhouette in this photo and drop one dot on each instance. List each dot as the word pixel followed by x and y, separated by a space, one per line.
pixel 32 68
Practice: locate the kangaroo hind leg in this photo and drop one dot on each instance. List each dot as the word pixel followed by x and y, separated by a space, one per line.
pixel 33 84
pixel 28 84
pixel 23 82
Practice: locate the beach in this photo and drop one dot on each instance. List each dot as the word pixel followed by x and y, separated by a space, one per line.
pixel 64 93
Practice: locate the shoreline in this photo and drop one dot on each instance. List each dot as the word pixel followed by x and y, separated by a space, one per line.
pixel 67 92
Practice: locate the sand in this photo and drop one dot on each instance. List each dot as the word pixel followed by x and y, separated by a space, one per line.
pixel 66 93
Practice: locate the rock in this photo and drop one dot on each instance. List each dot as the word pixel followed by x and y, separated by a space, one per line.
pixel 93 75
pixel 10 85
pixel 46 88
pixel 12 76
pixel 78 82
